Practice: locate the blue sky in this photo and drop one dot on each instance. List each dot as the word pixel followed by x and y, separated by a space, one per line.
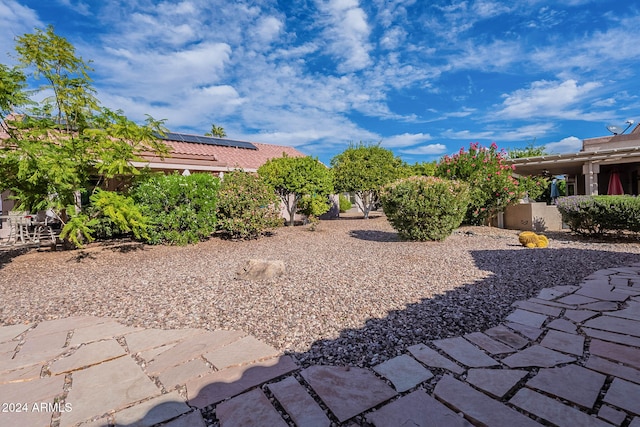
pixel 424 78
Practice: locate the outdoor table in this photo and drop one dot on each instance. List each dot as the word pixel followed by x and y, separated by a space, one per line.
pixel 18 228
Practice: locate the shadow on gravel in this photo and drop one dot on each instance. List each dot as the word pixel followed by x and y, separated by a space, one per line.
pixel 7 254
pixel 375 235
pixel 517 274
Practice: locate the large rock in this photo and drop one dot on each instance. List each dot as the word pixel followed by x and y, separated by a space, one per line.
pixel 261 269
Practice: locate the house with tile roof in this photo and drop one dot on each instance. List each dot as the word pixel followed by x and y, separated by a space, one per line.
pixel 195 153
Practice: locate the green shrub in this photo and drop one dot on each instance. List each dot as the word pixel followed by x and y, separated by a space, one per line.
pixel 182 209
pixel 116 215
pixel 110 214
pixel 599 214
pixel 344 203
pixel 312 207
pixel 425 207
pixel 247 206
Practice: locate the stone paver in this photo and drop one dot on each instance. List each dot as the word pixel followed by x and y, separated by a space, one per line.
pixel 537 356
pixel 563 325
pixel 181 374
pixel 416 409
pixel 245 350
pixel 553 411
pixel 528 318
pixel 574 299
pixel 152 338
pixel 579 316
pixel 608 367
pixel 564 342
pixel 496 382
pixel 251 409
pixel 100 331
pixel 123 378
pixel 465 353
pixel 218 386
pixel 303 410
pixel 602 294
pixel 612 415
pixel 8 333
pixel 573 383
pixel 191 348
pixel 157 410
pixel 477 406
pixel 615 324
pixel 528 331
pixel 624 395
pixel 490 345
pixel 192 419
pixel 632 312
pixel 612 336
pixel 538 308
pixel 556 292
pixel 403 372
pixel 347 391
pixel 20 375
pixel 30 403
pixel 601 306
pixel 620 353
pixel 508 337
pixel 433 359
pixel 88 355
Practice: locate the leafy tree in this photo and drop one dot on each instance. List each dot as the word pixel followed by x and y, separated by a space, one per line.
pixel 529 151
pixel 295 177
pixel 56 148
pixel 217 131
pixel 423 169
pixel 364 170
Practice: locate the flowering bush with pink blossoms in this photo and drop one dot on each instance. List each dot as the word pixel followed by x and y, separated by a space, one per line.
pixel 492 186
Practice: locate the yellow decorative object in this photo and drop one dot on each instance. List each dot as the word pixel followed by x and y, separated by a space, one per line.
pixel 526 237
pixel 533 240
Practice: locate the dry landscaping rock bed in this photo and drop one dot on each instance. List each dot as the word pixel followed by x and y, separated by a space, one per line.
pixel 351 293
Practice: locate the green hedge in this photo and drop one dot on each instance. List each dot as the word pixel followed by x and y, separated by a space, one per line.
pixel 425 207
pixel 247 206
pixel 600 214
pixel 182 209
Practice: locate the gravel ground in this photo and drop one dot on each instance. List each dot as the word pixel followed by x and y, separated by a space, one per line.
pixel 353 294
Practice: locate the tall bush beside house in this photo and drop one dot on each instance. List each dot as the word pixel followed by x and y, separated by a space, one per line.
pixel 182 209
pixel 247 206
pixel 425 207
pixel 492 186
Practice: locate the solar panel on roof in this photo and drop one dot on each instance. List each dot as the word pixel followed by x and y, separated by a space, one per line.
pixel 197 139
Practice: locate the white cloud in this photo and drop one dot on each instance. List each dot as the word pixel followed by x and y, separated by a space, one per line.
pixel 405 140
pixel 431 149
pixel 347 32
pixel 547 99
pixel 15 20
pixel 570 144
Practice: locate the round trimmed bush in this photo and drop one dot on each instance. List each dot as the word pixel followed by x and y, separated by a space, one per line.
pixel 425 207
pixel 247 206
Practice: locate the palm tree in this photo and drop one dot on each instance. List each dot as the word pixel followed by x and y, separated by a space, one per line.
pixel 217 131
